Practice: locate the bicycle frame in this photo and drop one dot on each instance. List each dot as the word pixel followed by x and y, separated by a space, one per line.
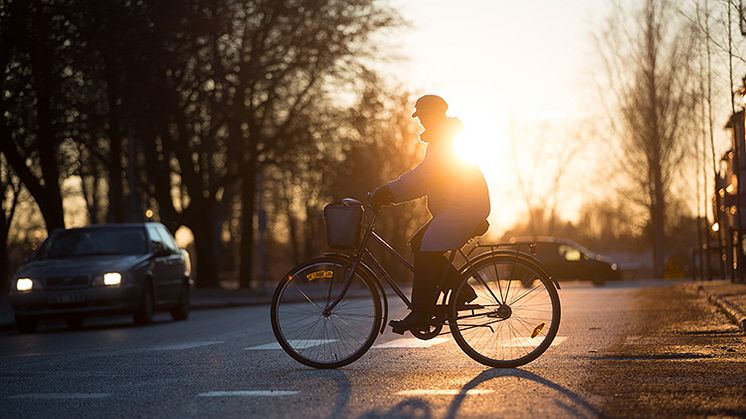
pixel 361 251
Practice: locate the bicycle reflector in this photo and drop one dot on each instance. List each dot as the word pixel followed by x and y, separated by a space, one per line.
pixel 319 274
pixel 537 330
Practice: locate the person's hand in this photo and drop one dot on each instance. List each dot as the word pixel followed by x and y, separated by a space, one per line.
pixel 380 196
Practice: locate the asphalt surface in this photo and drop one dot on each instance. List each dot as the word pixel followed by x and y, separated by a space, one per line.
pixel 628 349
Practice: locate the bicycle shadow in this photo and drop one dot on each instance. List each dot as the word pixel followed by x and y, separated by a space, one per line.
pixel 579 407
pixel 569 401
pixel 412 408
pixel 338 379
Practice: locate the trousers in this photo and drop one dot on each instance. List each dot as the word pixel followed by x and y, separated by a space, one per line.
pixel 429 268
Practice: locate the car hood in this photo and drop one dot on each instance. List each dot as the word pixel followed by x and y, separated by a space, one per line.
pixel 88 265
pixel 604 259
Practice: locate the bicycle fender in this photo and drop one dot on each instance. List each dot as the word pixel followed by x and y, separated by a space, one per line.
pixel 379 286
pixel 514 253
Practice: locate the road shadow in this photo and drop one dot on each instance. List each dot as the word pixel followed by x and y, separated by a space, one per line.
pixel 58 326
pixel 337 378
pixel 412 408
pixel 579 406
pixel 569 401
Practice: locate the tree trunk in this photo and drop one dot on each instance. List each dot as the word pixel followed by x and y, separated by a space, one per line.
pixel 116 196
pixel 309 231
pixel 248 172
pixel 293 231
pixel 134 197
pixel 51 203
pixel 658 223
pixel 159 173
pixel 4 227
pixel 207 248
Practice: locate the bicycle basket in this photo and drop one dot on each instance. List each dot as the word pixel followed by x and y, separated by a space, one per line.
pixel 344 221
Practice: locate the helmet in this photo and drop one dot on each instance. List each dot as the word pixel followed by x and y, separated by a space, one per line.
pixel 430 104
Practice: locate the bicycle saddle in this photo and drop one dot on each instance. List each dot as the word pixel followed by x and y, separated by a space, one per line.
pixel 351 201
pixel 481 228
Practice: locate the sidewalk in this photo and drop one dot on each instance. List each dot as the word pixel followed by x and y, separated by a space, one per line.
pixel 730 298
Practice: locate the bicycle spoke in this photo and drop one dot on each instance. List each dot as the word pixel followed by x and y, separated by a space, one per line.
pixel 497 278
pixel 306 297
pixel 312 337
pixel 499 332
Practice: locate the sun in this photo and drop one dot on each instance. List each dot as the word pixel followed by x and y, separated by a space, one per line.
pixel 480 142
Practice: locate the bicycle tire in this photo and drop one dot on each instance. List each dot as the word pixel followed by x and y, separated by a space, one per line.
pixel 318 341
pixel 512 332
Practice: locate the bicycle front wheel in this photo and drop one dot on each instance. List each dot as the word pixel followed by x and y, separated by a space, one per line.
pixel 311 333
pixel 515 316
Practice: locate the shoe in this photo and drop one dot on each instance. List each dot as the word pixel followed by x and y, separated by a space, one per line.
pixel 413 321
pixel 466 296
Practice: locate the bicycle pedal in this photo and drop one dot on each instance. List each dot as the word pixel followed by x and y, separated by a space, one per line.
pixel 395 327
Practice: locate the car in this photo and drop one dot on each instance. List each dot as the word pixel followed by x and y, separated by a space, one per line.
pixel 568 260
pixel 103 269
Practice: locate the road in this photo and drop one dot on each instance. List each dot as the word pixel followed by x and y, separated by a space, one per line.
pixel 643 349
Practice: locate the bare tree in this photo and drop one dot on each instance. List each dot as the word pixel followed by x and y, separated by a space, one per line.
pixel 550 150
pixel 647 55
pixel 10 190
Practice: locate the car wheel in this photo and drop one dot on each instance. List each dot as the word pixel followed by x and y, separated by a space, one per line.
pixel 25 324
pixel 144 314
pixel 181 311
pixel 74 323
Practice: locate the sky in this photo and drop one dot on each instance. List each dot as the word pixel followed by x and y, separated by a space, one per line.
pixel 501 61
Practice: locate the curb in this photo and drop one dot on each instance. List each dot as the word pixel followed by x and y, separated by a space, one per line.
pixel 731 311
pixel 228 304
pixel 209 306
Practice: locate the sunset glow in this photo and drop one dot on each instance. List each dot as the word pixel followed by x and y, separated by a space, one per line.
pixel 479 142
pixel 490 81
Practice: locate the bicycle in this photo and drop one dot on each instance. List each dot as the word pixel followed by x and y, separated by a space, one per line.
pixel 327 312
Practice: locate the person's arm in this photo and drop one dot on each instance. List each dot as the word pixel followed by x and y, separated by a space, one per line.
pixel 416 182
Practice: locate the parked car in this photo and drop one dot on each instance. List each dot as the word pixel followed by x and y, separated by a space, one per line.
pixel 103 269
pixel 567 260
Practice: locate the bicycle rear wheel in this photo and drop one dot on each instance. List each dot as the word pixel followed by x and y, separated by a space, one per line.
pixel 515 316
pixel 315 336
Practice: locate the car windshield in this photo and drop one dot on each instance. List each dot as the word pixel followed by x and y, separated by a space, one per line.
pixel 584 250
pixel 98 241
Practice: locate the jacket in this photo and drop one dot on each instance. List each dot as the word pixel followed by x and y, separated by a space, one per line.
pixel 456 191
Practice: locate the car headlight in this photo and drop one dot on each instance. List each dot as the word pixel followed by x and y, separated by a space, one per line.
pixel 613 267
pixel 24 284
pixel 109 279
pixel 112 279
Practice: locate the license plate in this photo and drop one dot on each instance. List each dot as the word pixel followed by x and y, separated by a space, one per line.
pixel 67 298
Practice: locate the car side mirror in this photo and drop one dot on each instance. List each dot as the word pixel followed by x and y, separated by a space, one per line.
pixel 160 251
pixel 29 258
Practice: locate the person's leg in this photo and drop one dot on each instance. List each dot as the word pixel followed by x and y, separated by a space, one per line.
pixel 452 278
pixel 452 281
pixel 427 269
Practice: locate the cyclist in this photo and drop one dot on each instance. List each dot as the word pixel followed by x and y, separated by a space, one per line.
pixel 457 198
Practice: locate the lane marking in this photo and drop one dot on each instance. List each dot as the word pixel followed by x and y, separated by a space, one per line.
pixel 248 393
pixel 402 343
pixel 295 343
pixel 411 343
pixel 434 392
pixel 519 342
pixel 183 346
pixel 29 354
pixel 60 396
